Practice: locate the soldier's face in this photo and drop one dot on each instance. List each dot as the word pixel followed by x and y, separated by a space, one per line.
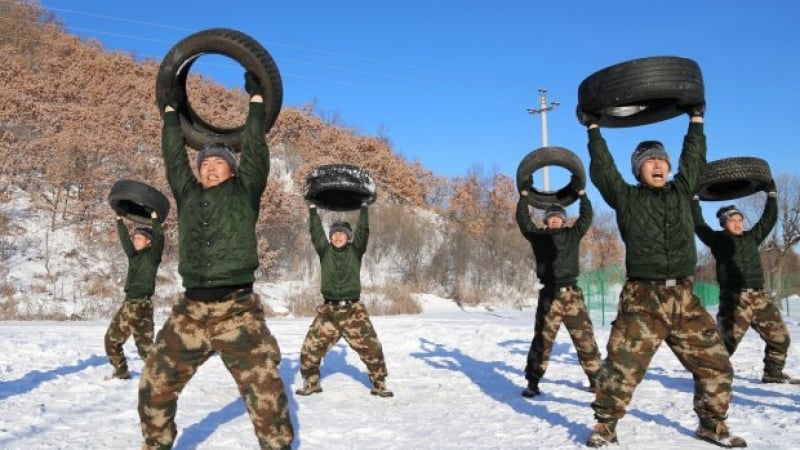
pixel 735 225
pixel 213 171
pixel 554 222
pixel 140 242
pixel 654 173
pixel 339 239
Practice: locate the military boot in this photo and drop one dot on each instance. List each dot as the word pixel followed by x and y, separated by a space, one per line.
pixel 716 432
pixel 604 433
pixel 532 390
pixel 309 388
pixel 379 389
pixel 120 373
pixel 778 377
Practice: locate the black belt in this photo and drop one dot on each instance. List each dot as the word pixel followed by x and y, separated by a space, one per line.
pixel 340 302
pixel 218 295
pixel 744 290
pixel 561 288
pixel 668 282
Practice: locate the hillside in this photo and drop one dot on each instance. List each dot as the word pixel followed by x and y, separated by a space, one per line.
pixel 75 118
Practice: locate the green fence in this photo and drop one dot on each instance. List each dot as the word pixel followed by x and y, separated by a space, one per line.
pixel 601 290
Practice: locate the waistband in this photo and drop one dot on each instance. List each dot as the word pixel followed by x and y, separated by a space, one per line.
pixel 137 299
pixel 219 294
pixel 743 290
pixel 562 288
pixel 667 282
pixel 340 302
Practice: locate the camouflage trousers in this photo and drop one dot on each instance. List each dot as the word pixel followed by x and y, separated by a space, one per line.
pixel 133 318
pixel 739 311
pixel 647 315
pixel 334 322
pixel 194 332
pixel 555 307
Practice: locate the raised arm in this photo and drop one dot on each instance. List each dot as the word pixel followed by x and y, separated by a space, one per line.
pixel 318 238
pixel 157 244
pixel 692 162
pixel 526 225
pixel 769 217
pixel 584 220
pixel 361 233
pixel 701 228
pixel 254 161
pixel 125 237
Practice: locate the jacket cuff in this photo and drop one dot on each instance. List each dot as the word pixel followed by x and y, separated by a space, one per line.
pixel 171 118
pixel 696 128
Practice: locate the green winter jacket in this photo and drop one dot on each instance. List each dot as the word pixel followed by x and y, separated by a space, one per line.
pixel 738 259
pixel 340 277
pixel 142 265
pixel 216 226
pixel 557 251
pixel 655 224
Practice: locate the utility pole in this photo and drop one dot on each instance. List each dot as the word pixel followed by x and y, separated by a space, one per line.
pixel 543 108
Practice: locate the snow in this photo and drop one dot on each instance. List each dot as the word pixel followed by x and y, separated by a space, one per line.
pixel 456 373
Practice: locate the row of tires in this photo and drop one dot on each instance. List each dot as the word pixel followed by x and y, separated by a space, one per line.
pixel 639 92
pixel 337 187
pixel 723 179
pixel 632 93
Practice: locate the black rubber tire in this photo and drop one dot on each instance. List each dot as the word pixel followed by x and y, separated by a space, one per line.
pixel 339 187
pixel 135 201
pixel 642 91
pixel 550 156
pixel 732 178
pixel 247 51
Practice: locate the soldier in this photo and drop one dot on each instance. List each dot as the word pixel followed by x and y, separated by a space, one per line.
pixel 218 313
pixel 556 249
pixel 135 316
pixel 657 303
pixel 341 314
pixel 743 303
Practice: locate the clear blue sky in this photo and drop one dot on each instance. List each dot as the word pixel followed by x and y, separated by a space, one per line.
pixel 449 81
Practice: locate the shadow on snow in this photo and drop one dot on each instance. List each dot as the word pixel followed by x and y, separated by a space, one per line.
pixel 34 378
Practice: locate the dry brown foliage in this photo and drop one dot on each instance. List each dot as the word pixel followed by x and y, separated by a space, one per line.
pixel 75 118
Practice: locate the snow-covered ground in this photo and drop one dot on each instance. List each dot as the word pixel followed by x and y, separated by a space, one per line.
pixel 457 377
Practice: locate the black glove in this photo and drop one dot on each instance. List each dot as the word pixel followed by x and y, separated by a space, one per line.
pixel 575 184
pixel 771 186
pixel 697 109
pixel 586 118
pixel 251 84
pixel 176 97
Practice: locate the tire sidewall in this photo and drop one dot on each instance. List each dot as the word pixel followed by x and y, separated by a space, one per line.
pixel 175 66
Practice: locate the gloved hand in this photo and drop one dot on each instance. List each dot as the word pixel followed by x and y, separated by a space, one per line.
pixel 586 118
pixel 696 197
pixel 575 184
pixel 771 186
pixel 176 98
pixel 697 109
pixel 251 84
